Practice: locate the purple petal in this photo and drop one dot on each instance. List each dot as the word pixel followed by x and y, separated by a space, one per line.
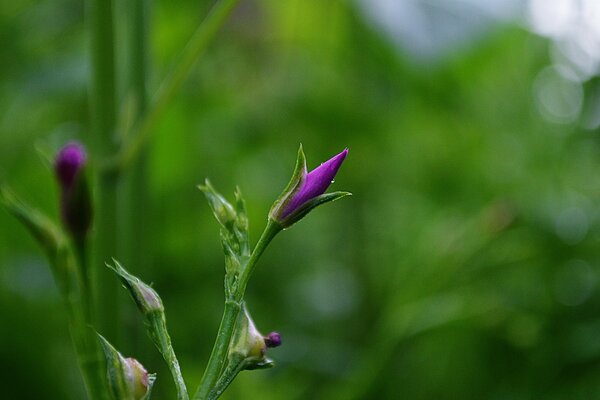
pixel 70 159
pixel 316 183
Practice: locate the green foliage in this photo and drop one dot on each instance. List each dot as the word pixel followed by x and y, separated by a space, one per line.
pixel 465 266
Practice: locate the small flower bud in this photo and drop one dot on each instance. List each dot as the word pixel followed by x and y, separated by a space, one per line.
pixel 250 345
pixel 306 190
pixel 146 298
pixel 139 378
pixel 273 340
pixel 127 377
pixel 75 200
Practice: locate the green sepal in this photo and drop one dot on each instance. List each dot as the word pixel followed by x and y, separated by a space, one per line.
pixel 115 371
pixel 241 223
pixel 124 382
pixel 248 344
pixel 296 181
pixel 151 381
pixel 246 352
pixel 310 205
pixel 146 298
pixel 262 364
pixel 221 208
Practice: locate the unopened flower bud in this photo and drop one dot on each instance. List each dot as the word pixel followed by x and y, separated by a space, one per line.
pixel 146 298
pixel 127 377
pixel 306 190
pixel 250 345
pixel 138 378
pixel 273 339
pixel 75 200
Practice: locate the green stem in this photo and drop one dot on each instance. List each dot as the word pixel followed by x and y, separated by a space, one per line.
pixel 81 249
pixel 162 340
pixel 78 304
pixel 271 230
pixel 193 50
pixel 219 353
pixel 103 102
pixel 234 367
pixel 134 201
pixel 88 353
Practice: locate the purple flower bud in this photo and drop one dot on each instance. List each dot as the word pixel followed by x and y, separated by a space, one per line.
pixel 306 190
pixel 75 202
pixel 69 161
pixel 315 184
pixel 273 339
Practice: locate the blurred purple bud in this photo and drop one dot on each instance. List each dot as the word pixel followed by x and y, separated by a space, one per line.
pixel 75 201
pixel 273 339
pixel 69 161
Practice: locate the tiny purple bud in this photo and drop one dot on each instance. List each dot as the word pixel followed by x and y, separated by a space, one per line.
pixel 273 339
pixel 69 161
pixel 75 202
pixel 315 184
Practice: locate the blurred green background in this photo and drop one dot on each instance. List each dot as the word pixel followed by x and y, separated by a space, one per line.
pixel 465 266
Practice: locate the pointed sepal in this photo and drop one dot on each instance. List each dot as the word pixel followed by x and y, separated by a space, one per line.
pixel 127 377
pixel 146 298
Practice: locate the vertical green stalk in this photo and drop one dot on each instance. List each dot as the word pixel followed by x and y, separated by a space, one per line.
pixel 218 356
pixel 105 145
pixel 133 194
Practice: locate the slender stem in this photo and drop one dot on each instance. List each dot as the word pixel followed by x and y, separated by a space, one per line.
pixel 79 309
pixel 271 230
pixel 193 50
pixel 81 248
pixel 162 340
pixel 219 353
pixel 103 102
